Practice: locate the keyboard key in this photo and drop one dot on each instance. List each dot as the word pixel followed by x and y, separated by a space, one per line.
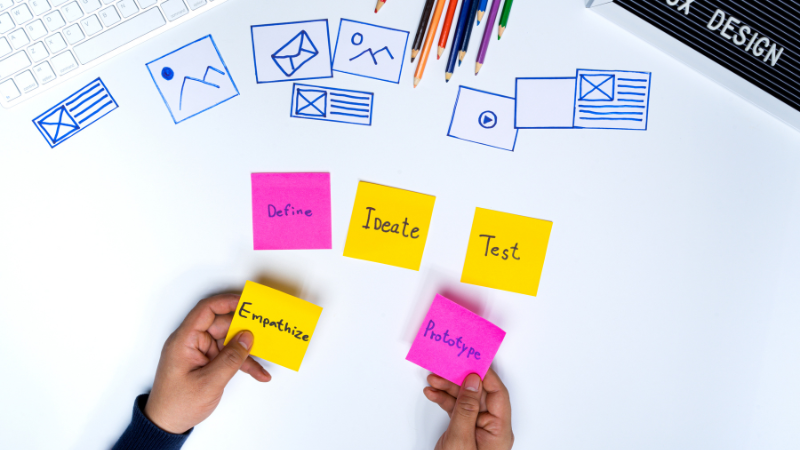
pixel 194 4
pixel 5 4
pixel 39 7
pixel 36 30
pixel 120 35
pixel 5 23
pixel 106 2
pixel 26 82
pixel 64 63
pixel 13 64
pixel 72 12
pixel 21 14
pixel 44 73
pixel 89 6
pixel 55 43
pixel 144 4
pixel 18 39
pixel 8 90
pixel 37 52
pixel 91 25
pixel 55 3
pixel 5 48
pixel 174 9
pixel 54 21
pixel 109 16
pixel 127 8
pixel 74 34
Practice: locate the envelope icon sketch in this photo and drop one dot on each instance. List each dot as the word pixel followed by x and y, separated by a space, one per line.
pixel 596 87
pixel 295 53
pixel 311 102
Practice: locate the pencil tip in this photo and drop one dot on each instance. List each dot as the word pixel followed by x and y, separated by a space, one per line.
pixel 500 31
pixel 416 81
pixel 478 68
pixel 447 76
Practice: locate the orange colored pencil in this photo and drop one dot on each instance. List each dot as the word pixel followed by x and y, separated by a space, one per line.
pixel 426 49
pixel 448 22
pixel 379 5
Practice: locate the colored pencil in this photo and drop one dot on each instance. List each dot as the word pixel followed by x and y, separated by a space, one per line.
pixel 468 33
pixel 423 23
pixel 448 23
pixel 482 10
pixel 487 36
pixel 504 18
pixel 458 38
pixel 379 5
pixel 426 49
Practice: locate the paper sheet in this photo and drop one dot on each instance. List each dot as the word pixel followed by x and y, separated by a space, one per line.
pixel 454 342
pixel 291 51
pixel 370 51
pixel 484 118
pixel 281 324
pixel 291 211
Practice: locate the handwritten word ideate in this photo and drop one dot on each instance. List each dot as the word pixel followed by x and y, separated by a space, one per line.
pixel 454 342
pixel 281 324
pixel 291 211
pixel 389 225
pixel 506 251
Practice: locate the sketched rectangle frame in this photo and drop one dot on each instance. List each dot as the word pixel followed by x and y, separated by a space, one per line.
pixel 647 109
pixel 297 113
pixel 613 89
pixel 227 72
pixel 371 104
pixel 116 106
pixel 452 118
pixel 516 104
pixel 402 60
pixel 253 44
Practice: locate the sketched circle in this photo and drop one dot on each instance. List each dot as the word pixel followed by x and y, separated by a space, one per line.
pixel 167 73
pixel 360 39
pixel 489 114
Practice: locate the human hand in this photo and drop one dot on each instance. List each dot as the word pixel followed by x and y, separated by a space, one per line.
pixel 480 412
pixel 195 366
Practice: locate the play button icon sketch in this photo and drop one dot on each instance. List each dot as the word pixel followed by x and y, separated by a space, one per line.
pixel 487 119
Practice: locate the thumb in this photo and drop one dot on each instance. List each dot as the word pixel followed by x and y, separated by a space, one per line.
pixel 465 412
pixel 222 368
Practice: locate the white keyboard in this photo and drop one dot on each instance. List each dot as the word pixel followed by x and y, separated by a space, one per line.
pixel 44 42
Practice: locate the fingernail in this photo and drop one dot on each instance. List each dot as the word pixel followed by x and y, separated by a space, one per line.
pixel 473 382
pixel 245 338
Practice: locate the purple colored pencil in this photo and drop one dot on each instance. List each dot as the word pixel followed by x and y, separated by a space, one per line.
pixel 487 35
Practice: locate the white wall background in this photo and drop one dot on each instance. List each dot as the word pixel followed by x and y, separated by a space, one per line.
pixel 666 317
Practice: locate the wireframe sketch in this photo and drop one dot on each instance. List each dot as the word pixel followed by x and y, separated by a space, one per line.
pixel 192 79
pixel 331 104
pixel 75 113
pixel 484 118
pixel 370 51
pixel 291 51
pixel 605 99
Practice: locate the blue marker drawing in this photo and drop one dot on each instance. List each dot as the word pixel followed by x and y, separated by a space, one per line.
pixel 192 79
pixel 331 104
pixel 484 118
pixel 76 112
pixel 601 99
pixel 355 52
pixel 291 51
pixel 487 119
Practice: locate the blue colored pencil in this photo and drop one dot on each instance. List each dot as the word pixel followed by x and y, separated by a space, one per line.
pixel 458 38
pixel 482 10
pixel 468 32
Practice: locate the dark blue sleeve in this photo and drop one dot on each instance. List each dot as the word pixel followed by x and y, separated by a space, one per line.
pixel 142 434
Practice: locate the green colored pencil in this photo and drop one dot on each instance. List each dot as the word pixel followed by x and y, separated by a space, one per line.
pixel 504 18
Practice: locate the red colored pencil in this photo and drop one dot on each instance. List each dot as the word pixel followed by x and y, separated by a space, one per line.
pixel 448 22
pixel 379 5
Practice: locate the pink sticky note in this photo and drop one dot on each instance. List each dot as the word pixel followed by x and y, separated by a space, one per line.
pixel 454 342
pixel 291 211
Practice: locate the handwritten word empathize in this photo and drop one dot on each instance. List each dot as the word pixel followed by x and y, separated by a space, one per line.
pixel 452 342
pixel 731 28
pixel 288 210
pixel 264 321
pixel 388 227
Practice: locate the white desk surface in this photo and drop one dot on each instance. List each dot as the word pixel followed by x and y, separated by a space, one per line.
pixel 668 308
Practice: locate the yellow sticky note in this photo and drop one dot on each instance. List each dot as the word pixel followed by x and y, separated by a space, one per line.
pixel 506 251
pixel 281 324
pixel 389 225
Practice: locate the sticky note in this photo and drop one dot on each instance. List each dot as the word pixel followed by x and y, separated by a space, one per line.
pixel 454 342
pixel 389 225
pixel 282 325
pixel 291 211
pixel 506 251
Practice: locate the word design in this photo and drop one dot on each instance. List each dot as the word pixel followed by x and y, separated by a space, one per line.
pixel 756 44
